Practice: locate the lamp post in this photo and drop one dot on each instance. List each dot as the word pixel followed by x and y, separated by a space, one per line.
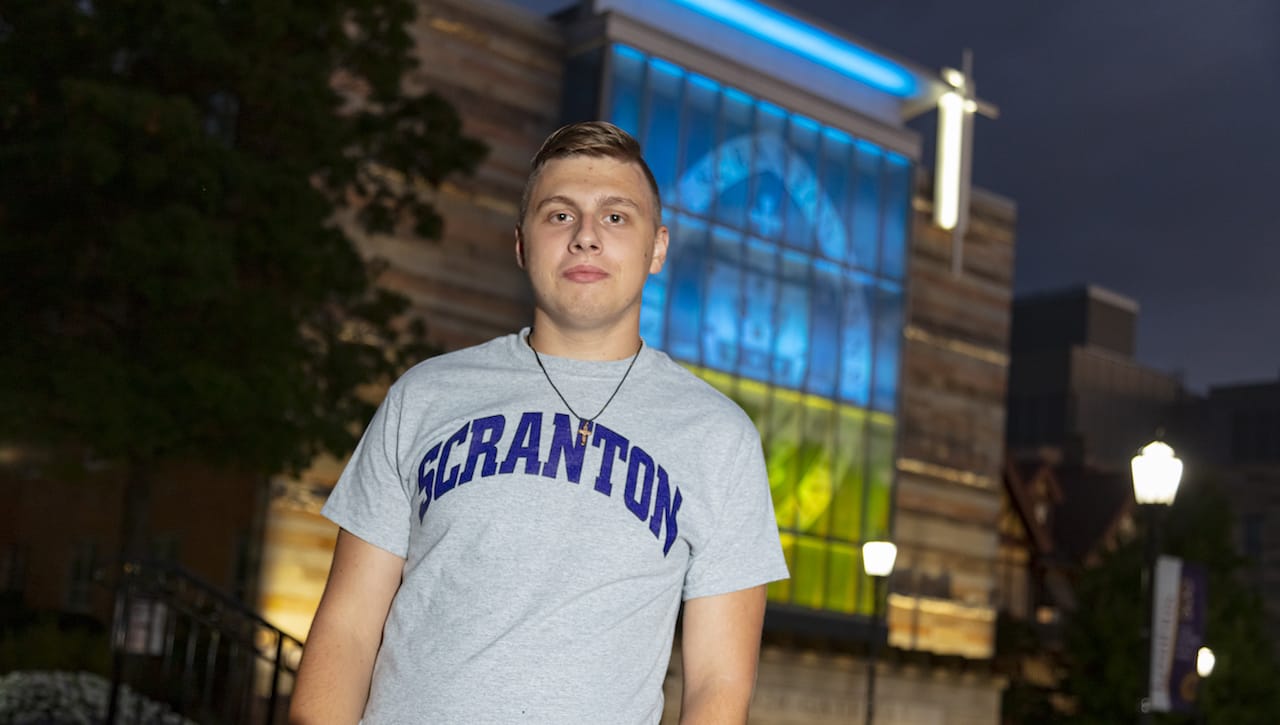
pixel 1156 474
pixel 877 562
pixel 1204 667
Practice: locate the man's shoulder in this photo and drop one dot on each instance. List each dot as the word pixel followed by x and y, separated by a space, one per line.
pixel 695 393
pixel 486 356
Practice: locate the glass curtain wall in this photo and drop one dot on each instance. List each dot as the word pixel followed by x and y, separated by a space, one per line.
pixel 783 288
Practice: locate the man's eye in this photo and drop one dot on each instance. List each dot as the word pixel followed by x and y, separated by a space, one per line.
pixel 615 218
pixel 560 216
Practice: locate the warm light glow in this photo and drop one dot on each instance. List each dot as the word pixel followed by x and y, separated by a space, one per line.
pixel 806 40
pixel 946 186
pixel 1205 662
pixel 1156 474
pixel 878 557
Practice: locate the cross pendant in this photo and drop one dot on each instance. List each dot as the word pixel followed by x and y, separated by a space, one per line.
pixel 584 431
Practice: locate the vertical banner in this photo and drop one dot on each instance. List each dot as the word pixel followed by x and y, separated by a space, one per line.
pixel 1178 613
pixel 1184 681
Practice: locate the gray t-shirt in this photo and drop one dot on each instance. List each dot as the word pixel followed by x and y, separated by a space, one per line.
pixel 542 576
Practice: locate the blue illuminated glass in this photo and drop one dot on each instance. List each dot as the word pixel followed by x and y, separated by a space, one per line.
pixel 760 288
pixel 628 88
pixel 825 330
pixel 662 124
pixel 720 333
pixel 735 158
pixel 888 345
pixel 768 195
pixel 866 213
pixel 855 340
pixel 704 83
pixel 810 42
pixel 833 173
pixel 791 346
pixel 897 215
pixel 805 205
pixel 688 270
pixel 749 169
pixel 773 114
pixel 698 172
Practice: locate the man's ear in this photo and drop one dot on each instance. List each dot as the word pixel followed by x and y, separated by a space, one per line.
pixel 519 248
pixel 660 242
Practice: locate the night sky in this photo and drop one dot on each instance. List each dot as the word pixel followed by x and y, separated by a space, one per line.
pixel 1140 140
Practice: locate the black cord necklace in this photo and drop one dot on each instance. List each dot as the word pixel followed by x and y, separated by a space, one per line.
pixel 584 429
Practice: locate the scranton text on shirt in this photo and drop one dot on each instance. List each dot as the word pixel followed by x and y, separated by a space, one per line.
pixel 647 492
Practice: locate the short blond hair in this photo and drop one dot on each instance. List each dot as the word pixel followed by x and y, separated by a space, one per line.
pixel 589 138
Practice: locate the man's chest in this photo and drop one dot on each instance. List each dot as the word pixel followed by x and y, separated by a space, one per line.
pixel 541 478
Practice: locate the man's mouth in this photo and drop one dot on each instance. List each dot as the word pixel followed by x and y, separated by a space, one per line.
pixel 584 273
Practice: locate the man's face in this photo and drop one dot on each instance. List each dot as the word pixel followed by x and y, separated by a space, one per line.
pixel 589 241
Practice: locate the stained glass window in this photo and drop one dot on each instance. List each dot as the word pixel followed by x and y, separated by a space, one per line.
pixel 783 288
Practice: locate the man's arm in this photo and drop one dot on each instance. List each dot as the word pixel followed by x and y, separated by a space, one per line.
pixel 337 661
pixel 720 646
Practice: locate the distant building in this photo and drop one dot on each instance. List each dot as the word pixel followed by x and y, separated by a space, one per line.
pixel 1079 402
pixel 1074 385
pixel 1235 431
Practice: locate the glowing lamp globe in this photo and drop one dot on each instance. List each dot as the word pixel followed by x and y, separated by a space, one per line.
pixel 1156 474
pixel 878 557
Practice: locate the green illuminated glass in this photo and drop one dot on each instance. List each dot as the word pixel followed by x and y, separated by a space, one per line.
pixel 831 474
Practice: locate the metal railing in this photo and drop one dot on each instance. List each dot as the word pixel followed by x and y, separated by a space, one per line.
pixel 180 641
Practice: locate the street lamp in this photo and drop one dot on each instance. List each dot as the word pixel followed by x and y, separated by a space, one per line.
pixel 1156 474
pixel 1204 667
pixel 1205 662
pixel 877 561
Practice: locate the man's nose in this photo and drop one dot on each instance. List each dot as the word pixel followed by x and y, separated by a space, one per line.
pixel 587 236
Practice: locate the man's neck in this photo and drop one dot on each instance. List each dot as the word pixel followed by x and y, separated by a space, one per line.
pixel 584 344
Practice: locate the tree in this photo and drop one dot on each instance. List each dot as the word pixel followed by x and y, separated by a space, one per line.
pixel 173 284
pixel 1106 654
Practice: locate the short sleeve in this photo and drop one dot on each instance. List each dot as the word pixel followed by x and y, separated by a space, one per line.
pixel 743 549
pixel 369 499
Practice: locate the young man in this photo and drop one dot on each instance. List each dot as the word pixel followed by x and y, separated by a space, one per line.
pixel 522 519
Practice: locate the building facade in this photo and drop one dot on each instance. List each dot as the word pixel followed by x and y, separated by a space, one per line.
pixel 807 279
pixel 1235 431
pixel 1074 385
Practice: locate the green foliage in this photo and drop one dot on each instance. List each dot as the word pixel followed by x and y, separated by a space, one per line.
pixel 1106 652
pixel 173 281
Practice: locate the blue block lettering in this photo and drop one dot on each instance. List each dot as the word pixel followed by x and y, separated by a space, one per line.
pixel 636 496
pixel 525 444
pixel 485 433
pixel 564 440
pixel 425 479
pixel 612 443
pixel 447 482
pixel 665 509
